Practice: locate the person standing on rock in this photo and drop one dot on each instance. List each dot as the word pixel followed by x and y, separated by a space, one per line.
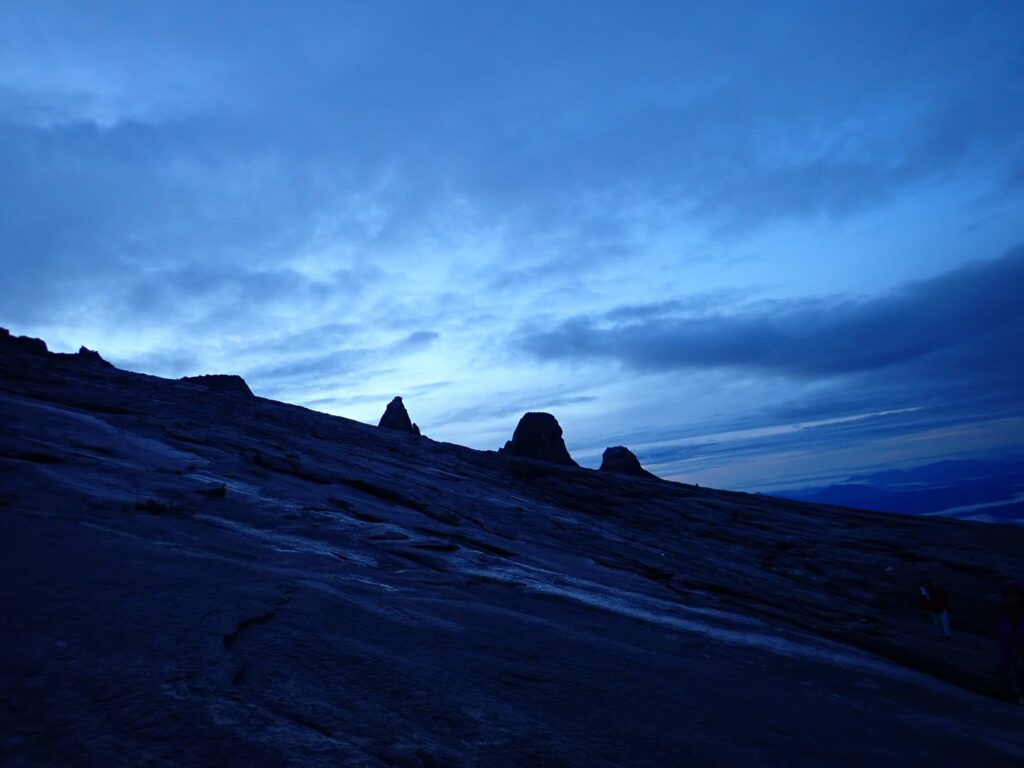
pixel 1010 639
pixel 935 600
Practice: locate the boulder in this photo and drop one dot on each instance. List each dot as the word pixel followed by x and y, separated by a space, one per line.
pixel 222 382
pixel 621 460
pixel 539 436
pixel 396 417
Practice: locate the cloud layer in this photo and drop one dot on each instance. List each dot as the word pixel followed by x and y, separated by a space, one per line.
pixel 784 209
pixel 967 317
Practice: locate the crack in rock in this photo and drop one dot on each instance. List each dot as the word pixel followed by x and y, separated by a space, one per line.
pixel 250 621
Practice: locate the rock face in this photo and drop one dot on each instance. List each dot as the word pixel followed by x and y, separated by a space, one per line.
pixel 94 357
pixel 396 417
pixel 621 460
pixel 538 436
pixel 22 343
pixel 170 565
pixel 222 382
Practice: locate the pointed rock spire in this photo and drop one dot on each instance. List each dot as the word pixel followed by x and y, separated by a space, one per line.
pixel 539 436
pixel 396 417
pixel 621 460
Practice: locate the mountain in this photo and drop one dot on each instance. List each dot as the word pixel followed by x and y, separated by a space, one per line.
pixel 991 491
pixel 196 575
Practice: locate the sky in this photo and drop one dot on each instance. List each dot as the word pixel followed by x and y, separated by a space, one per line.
pixel 761 244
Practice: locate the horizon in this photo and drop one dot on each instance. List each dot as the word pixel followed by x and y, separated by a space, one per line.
pixel 794 487
pixel 761 248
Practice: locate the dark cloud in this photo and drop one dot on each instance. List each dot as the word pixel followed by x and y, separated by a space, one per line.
pixel 696 304
pixel 972 314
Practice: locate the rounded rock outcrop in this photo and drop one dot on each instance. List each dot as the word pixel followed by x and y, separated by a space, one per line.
pixel 539 436
pixel 621 460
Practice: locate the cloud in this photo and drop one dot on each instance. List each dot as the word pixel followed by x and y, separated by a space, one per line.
pixel 974 311
pixel 296 196
pixel 170 363
pixel 511 405
pixel 810 386
pixel 302 372
pixel 378 129
pixel 380 398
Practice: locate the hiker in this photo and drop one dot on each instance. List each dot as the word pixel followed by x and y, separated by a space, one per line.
pixel 1010 637
pixel 935 600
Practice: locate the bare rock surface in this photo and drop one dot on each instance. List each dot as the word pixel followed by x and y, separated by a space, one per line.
pixel 396 417
pixel 539 436
pixel 216 580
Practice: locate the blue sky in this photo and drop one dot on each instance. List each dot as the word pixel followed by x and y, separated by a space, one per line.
pixel 759 243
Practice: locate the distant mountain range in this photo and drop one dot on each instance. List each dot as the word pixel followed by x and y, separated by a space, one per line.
pixel 990 491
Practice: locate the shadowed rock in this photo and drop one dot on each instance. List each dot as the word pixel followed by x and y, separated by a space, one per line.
pixel 222 382
pixel 538 436
pixel 396 417
pixel 621 460
pixel 93 356
pixel 22 343
pixel 254 550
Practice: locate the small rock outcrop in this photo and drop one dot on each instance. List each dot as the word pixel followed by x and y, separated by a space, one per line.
pixel 93 357
pixel 22 343
pixel 396 417
pixel 222 382
pixel 621 460
pixel 539 436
